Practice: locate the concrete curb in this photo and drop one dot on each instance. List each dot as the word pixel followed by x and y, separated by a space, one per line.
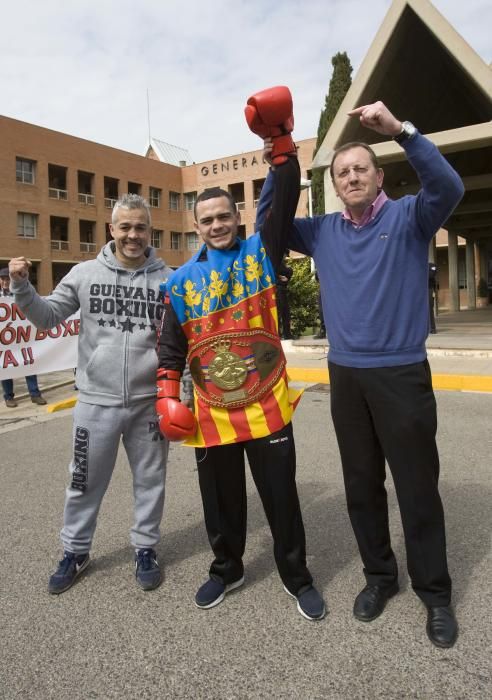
pixel 440 382
pixel 310 375
pixel 61 405
pixel 50 387
pixel 486 353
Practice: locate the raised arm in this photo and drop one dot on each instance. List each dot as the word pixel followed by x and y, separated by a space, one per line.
pixel 280 217
pixel 43 312
pixel 442 187
pixel 269 114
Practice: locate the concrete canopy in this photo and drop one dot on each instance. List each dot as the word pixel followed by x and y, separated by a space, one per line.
pixel 424 71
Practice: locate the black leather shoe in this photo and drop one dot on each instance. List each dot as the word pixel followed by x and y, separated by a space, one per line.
pixel 371 601
pixel 442 628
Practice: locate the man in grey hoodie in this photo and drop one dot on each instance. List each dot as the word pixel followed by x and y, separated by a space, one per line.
pixel 120 310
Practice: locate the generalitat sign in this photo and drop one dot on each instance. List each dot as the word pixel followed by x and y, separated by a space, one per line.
pixel 226 166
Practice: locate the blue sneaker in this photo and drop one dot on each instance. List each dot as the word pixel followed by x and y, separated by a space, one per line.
pixel 147 571
pixel 71 566
pixel 310 604
pixel 213 592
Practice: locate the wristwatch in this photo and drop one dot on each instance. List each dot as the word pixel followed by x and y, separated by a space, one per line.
pixel 408 131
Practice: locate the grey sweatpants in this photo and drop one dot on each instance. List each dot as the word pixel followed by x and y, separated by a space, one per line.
pixel 96 432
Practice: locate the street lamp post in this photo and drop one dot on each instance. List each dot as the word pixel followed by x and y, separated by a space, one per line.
pixel 307 185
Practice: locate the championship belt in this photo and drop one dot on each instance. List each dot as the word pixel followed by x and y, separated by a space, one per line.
pixel 236 368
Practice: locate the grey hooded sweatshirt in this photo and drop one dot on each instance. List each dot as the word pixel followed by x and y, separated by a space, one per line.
pixel 120 314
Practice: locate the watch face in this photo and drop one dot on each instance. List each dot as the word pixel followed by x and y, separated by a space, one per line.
pixel 409 129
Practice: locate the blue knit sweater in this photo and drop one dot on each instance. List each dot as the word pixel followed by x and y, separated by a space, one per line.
pixel 373 279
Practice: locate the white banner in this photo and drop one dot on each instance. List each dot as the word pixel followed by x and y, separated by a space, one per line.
pixel 26 350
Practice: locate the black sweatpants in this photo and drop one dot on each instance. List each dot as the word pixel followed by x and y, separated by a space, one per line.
pixel 222 477
pixel 390 412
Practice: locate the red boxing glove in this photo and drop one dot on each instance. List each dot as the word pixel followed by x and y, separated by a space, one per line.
pixel 269 114
pixel 176 421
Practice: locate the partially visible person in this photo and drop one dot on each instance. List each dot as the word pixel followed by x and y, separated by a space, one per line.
pixel 432 285
pixel 120 310
pixel 5 282
pixel 284 273
pixel 31 379
pixel 372 264
pixel 32 387
pixel 222 316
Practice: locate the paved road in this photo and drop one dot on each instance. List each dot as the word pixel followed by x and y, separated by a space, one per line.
pixel 106 639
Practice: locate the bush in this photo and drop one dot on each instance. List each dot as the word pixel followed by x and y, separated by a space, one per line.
pixel 302 293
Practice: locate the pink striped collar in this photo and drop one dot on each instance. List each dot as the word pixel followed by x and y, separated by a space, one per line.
pixel 370 213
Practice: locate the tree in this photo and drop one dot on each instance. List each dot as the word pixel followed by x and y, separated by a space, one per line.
pixel 302 293
pixel 339 85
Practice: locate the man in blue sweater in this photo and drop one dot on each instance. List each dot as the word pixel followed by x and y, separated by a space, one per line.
pixel 372 265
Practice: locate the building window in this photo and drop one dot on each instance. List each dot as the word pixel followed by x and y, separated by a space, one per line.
pixel 257 187
pixel 85 182
pixel 134 188
pixel 27 225
pixel 176 240
pixel 174 201
pixel 25 170
pixel 57 182
pixel 59 232
pixel 111 189
pixel 237 193
pixel 189 200
pixel 86 232
pixel 155 197
pixel 192 241
pixel 156 238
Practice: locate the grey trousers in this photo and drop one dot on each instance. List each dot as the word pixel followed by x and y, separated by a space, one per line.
pixel 96 434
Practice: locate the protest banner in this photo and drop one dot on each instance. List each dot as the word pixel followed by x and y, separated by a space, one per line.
pixel 25 350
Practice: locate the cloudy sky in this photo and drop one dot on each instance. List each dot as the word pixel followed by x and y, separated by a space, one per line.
pixel 84 66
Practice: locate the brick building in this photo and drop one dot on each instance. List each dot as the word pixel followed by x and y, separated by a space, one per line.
pixel 57 193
